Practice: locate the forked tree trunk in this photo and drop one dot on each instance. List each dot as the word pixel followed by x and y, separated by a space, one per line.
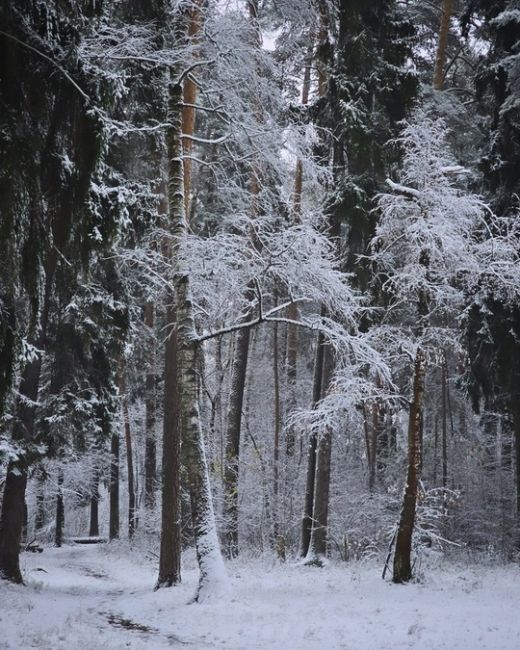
pixel 403 547
pixel 150 453
pixel 307 518
pixel 113 527
pixel 60 512
pixel 440 58
pixel 236 401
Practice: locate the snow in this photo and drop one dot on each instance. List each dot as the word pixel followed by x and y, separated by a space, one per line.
pixel 87 596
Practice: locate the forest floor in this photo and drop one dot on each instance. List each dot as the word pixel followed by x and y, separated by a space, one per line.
pixel 101 598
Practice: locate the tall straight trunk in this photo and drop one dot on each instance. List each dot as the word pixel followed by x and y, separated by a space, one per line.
pixel 307 518
pixel 170 550
pixel 318 543
pixel 236 401
pixel 212 580
pixel 515 408
pixel 190 93
pixel 113 527
pixel 402 571
pixel 129 457
pixel 93 530
pixel 60 512
pixel 292 311
pixel 444 371
pixel 276 445
pixel 440 58
pixel 150 453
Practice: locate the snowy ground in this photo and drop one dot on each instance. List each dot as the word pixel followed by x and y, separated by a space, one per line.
pixel 87 596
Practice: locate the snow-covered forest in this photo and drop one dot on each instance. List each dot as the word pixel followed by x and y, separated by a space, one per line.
pixel 260 324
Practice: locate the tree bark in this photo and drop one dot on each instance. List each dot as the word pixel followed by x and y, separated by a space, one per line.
pixel 292 311
pixel 12 514
pixel 277 535
pixel 113 528
pixel 311 453
pixel 318 542
pixel 444 434
pixel 190 93
pixel 94 506
pixel 170 552
pixel 440 58
pixel 150 457
pixel 236 400
pixel 60 512
pixel 213 580
pixel 39 521
pixel 129 456
pixel 402 571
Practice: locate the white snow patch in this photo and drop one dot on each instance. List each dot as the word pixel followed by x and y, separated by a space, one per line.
pixel 271 607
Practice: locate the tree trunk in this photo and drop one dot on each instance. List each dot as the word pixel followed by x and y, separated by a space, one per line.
pixel 236 400
pixel 277 535
pixel 213 579
pixel 114 488
pixel 129 457
pixel 190 93
pixel 11 522
pixel 311 453
pixel 292 311
pixel 170 553
pixel 12 516
pixel 60 512
pixel 39 521
pixel 516 425
pixel 403 548
pixel 444 371
pixel 94 506
pixel 150 457
pixel 318 543
pixel 440 58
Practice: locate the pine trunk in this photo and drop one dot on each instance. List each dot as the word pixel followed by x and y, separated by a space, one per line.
pixel 403 548
pixel 440 58
pixel 170 552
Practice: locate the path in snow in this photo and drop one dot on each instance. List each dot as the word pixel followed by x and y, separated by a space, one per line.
pixel 101 598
